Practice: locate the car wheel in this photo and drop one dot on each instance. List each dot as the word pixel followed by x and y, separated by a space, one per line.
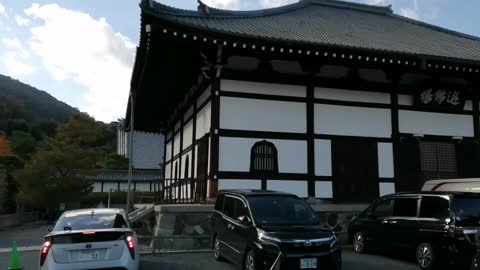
pixel 425 256
pixel 359 243
pixel 216 249
pixel 250 261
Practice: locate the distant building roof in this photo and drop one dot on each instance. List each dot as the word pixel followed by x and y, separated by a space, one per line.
pixel 327 23
pixel 5 149
pixel 122 175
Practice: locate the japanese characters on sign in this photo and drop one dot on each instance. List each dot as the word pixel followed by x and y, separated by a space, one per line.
pixel 441 98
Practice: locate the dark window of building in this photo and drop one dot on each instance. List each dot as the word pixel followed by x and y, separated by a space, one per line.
pixel 186 168
pixel 438 160
pixel 434 207
pixel 264 158
pixel 383 209
pixel 405 207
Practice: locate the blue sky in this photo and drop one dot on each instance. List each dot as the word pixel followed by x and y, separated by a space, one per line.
pixel 82 51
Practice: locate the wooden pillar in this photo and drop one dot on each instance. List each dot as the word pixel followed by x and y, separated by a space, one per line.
pixel 476 114
pixel 194 182
pixel 311 139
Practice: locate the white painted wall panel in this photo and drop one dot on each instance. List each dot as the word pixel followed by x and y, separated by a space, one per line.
pixel 107 186
pixel 351 95
pixel 187 134
pixel 178 125
pixel 352 121
pixel 143 186
pixel 168 171
pixel 387 188
pixel 441 124
pixel 323 190
pixel 262 115
pixel 385 160
pixel 239 184
pixel 97 187
pixel 188 113
pixel 184 164
pixel 323 157
pixel 124 186
pixel 406 100
pixel 264 88
pixel 168 151
pixel 203 121
pixel 468 105
pixel 176 144
pixel 234 154
pixel 299 188
pixel 203 96
pixel 175 169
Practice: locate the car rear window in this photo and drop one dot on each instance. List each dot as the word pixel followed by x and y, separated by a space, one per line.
pixel 90 222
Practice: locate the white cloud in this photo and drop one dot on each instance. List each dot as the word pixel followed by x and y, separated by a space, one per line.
pixel 410 13
pixel 275 3
pixel 15 60
pixel 74 46
pixel 16 66
pixel 224 4
pixel 21 21
pixel 378 2
pixel 3 10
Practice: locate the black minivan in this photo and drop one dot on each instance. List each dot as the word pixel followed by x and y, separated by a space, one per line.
pixel 435 227
pixel 258 229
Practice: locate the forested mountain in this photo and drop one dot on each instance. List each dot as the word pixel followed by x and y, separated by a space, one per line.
pixel 27 109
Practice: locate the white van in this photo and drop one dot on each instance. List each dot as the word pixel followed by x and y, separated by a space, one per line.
pixel 461 185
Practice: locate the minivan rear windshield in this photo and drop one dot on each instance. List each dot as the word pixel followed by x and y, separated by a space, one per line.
pixel 281 211
pixel 90 222
pixel 467 211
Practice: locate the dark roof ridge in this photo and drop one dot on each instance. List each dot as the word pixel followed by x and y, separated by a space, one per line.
pixel 355 6
pixel 435 27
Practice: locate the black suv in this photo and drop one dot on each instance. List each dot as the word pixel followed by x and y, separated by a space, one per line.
pixel 260 229
pixel 435 226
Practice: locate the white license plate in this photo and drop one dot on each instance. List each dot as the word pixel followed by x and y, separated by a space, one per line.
pixel 308 263
pixel 88 255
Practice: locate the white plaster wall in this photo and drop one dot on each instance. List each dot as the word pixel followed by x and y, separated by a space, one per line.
pixel 299 188
pixel 203 121
pixel 97 187
pixel 264 88
pixel 385 160
pixel 184 158
pixel 168 168
pixel 441 124
pixel 110 185
pixel 350 95
pixel 147 150
pixel 143 186
pixel 187 134
pixel 262 115
pixel 203 96
pixel 323 157
pixel 352 121
pixel 178 125
pixel 239 184
pixel 406 100
pixel 468 105
pixel 234 154
pixel 176 144
pixel 387 188
pixel 124 186
pixel 168 151
pixel 323 190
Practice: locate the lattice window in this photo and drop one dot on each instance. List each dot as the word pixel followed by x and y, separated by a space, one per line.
pixel 438 160
pixel 264 158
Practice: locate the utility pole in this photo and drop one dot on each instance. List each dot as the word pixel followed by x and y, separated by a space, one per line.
pixel 130 152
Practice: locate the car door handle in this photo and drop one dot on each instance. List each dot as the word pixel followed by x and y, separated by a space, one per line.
pixel 393 222
pixel 384 221
pixel 230 226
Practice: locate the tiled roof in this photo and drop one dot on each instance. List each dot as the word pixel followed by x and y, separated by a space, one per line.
pixel 122 175
pixel 328 23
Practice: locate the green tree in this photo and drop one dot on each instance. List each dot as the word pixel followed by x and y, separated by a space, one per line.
pixel 54 175
pixel 3 189
pixel 23 144
pixel 115 162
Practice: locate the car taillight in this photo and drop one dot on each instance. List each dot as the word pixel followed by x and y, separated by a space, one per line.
pixel 130 244
pixel 45 249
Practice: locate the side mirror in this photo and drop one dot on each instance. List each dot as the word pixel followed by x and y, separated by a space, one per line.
pixel 245 220
pixel 137 225
pixel 50 228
